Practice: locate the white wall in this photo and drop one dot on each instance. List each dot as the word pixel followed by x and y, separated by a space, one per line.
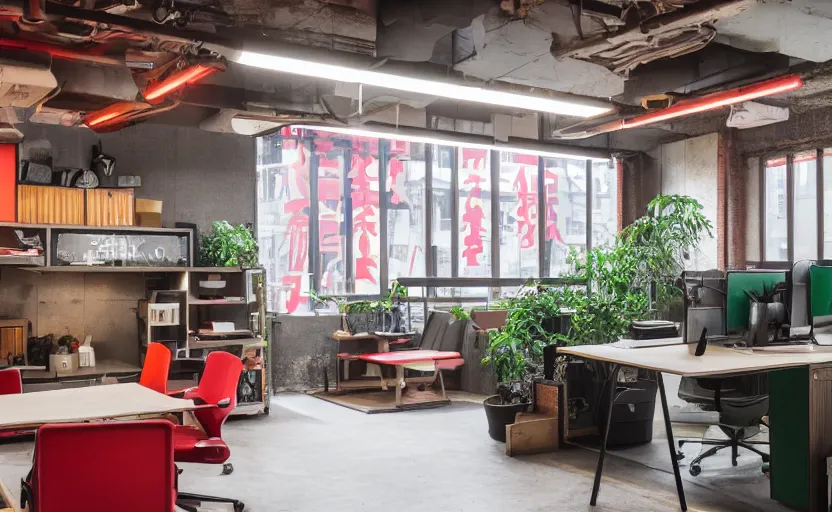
pixel 690 167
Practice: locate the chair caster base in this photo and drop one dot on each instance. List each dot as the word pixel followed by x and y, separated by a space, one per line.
pixel 227 469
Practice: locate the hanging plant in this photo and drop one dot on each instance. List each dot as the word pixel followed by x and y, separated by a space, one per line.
pixel 229 246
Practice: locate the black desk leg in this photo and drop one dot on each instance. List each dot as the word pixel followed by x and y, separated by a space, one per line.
pixel 611 382
pixel 672 445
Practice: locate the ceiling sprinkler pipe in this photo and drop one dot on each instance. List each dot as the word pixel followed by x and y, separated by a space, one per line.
pixel 688 107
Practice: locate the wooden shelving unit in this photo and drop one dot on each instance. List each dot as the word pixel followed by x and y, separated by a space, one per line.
pixel 180 285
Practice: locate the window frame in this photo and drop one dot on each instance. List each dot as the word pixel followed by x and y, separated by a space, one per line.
pixel 790 200
pixel 430 150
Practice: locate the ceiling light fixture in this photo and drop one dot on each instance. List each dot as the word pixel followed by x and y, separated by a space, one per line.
pixel 718 100
pixel 421 86
pixel 114 112
pixel 159 90
pixel 428 139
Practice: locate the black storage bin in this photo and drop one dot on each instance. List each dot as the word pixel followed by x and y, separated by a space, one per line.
pixel 632 414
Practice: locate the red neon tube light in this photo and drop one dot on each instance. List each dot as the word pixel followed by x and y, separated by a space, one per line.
pixel 718 100
pixel 114 111
pixel 179 79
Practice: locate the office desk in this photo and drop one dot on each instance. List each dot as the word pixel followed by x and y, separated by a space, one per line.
pixel 679 359
pixel 31 410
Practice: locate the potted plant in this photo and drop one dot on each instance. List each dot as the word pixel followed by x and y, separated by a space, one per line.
pixel 229 246
pixel 516 353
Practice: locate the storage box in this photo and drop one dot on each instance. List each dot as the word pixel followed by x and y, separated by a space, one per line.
pixel 110 207
pixel 149 213
pixel 63 364
pixel 164 314
pixel 38 204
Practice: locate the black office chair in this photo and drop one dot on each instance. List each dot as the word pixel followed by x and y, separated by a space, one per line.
pixel 742 402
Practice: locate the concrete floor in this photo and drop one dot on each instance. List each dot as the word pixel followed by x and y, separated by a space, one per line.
pixel 310 455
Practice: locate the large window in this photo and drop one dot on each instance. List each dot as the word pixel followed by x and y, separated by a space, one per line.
pixel 565 197
pixel 283 220
pixel 346 216
pixel 519 219
pixel 793 227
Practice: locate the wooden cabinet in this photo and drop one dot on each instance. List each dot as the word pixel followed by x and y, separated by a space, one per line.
pixel 50 205
pixel 13 336
pixel 110 207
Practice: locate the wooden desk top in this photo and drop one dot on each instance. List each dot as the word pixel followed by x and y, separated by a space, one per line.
pixel 105 367
pixel 82 404
pixel 679 359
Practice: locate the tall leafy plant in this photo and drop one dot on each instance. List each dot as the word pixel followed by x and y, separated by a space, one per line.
pixel 229 246
pixel 650 252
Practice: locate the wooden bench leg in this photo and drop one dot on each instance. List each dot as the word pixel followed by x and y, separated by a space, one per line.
pixel 442 384
pixel 399 382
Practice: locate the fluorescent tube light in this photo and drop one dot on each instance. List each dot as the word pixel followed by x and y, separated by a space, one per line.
pixel 427 139
pixel 420 86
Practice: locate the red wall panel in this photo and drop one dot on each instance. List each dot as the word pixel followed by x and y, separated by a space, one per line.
pixel 8 175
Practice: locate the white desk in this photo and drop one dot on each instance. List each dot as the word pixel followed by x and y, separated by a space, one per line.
pixel 30 410
pixel 679 359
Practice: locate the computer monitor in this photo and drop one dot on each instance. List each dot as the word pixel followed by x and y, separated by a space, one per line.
pixel 820 303
pixel 736 301
pixel 798 299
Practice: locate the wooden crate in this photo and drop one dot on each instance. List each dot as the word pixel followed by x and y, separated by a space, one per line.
pixel 13 336
pixel 539 431
pixel 50 205
pixel 110 207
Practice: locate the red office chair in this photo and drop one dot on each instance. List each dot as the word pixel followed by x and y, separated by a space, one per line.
pixel 218 387
pixel 156 368
pixel 101 467
pixel 10 382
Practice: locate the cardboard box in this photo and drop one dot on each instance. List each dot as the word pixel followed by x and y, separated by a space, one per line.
pixel 63 364
pixel 149 213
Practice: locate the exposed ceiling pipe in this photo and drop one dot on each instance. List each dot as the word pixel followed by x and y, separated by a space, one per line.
pixel 59 52
pixel 683 108
pixel 157 91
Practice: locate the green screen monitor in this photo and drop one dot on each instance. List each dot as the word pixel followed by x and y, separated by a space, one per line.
pixel 736 301
pixel 820 295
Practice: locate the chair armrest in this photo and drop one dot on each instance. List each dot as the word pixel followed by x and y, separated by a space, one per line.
pixel 179 393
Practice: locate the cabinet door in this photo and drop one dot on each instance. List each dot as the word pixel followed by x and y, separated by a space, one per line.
pixel 110 207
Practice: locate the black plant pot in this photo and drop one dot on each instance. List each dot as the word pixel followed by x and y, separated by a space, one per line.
pixel 499 415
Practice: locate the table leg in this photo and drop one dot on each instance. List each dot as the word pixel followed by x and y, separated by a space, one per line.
pixel 672 445
pixel 399 381
pixel 597 484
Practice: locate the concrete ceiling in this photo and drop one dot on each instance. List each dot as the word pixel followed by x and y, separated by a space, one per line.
pixel 797 28
pixel 518 51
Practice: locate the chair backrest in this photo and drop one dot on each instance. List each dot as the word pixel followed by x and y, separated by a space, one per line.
pixel 101 467
pixel 156 368
pixel 438 321
pixel 10 382
pixel 219 381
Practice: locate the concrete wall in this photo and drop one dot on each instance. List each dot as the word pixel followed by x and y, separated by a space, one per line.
pixel 691 167
pixel 101 305
pixel 302 349
pixel 200 176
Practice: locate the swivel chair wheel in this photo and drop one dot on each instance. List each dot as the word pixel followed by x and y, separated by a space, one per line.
pixel 695 470
pixel 680 455
pixel 227 469
pixel 766 458
pixel 240 507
